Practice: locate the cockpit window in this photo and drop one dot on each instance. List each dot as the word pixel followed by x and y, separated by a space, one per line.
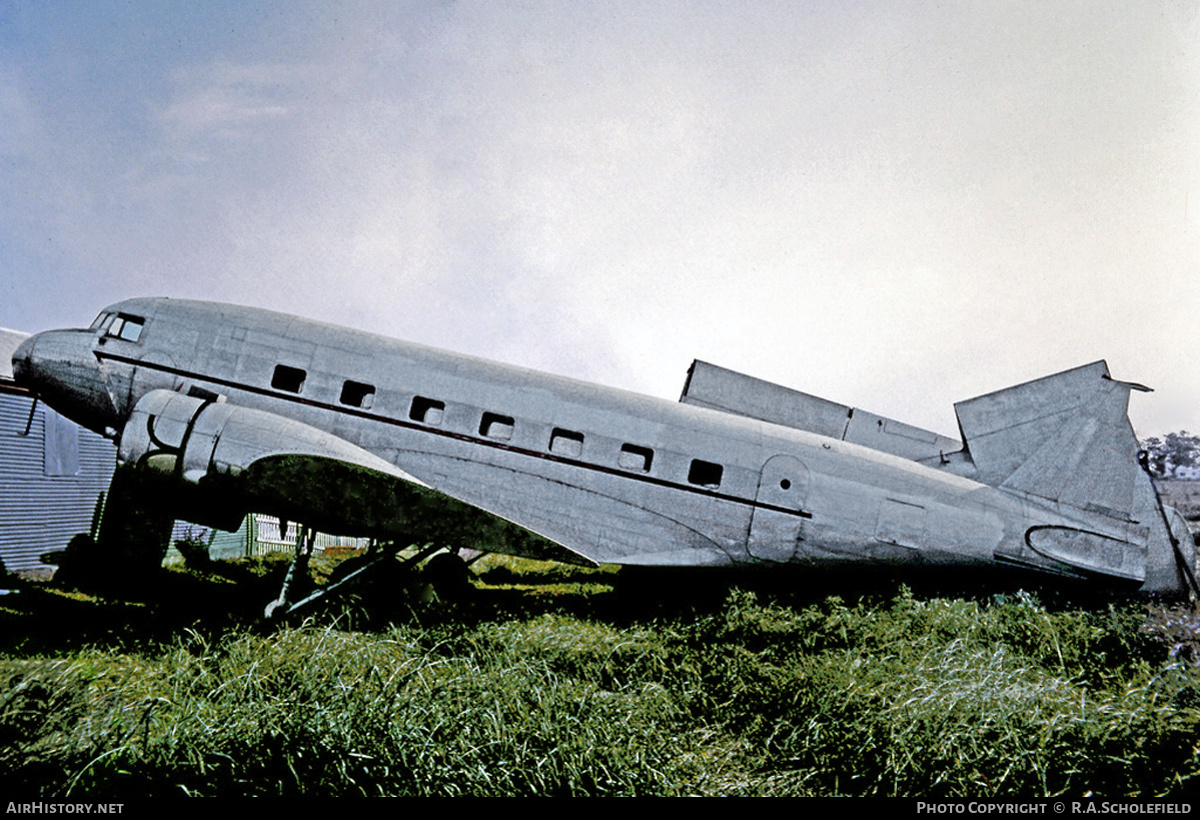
pixel 128 328
pixel 99 321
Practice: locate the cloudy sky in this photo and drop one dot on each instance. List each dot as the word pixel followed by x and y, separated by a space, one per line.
pixel 896 205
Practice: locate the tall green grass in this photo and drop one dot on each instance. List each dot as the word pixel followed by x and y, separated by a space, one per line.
pixel 950 698
pixel 319 711
pixel 895 695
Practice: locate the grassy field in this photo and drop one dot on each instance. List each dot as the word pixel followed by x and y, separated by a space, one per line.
pixel 553 681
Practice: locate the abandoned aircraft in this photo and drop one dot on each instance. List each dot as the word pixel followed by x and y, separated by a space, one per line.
pixel 231 409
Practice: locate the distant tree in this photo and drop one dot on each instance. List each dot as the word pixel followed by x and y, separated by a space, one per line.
pixel 1175 451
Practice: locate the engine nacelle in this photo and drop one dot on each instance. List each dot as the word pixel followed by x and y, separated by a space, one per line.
pixel 194 438
pixel 227 460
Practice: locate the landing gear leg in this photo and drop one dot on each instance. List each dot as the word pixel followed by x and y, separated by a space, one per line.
pixel 282 607
pixel 134 532
pixel 296 575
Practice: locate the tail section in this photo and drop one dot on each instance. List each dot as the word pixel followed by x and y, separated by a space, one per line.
pixel 1065 442
pixel 1062 443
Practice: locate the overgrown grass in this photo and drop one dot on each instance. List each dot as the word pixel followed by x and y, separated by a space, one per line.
pixel 888 695
pixel 947 698
pixel 320 711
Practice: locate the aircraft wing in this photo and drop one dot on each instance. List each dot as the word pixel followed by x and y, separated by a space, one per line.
pixel 239 459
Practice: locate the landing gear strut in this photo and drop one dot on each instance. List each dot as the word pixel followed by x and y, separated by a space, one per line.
pixel 284 607
pixel 297 573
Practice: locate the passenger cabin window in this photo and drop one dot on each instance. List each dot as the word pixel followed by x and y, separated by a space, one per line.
pixel 357 394
pixel 126 328
pixel 427 411
pixel 633 457
pixel 566 443
pixel 705 473
pixel 496 426
pixel 287 378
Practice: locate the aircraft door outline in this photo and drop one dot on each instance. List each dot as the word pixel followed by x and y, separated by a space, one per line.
pixel 777 527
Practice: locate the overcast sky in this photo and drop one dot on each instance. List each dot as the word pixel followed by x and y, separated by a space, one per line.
pixel 892 205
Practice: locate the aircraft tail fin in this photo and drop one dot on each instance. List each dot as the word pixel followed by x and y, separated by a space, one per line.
pixel 1067 439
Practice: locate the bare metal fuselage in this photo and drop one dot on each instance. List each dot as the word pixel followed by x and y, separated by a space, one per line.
pixel 612 476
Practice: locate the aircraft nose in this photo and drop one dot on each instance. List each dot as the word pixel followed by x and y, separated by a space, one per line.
pixel 59 366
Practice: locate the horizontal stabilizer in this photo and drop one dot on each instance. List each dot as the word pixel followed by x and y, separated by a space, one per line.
pixel 1030 435
pixel 729 391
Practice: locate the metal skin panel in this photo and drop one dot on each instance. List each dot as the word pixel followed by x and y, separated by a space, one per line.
pixel 901 523
pixel 278 403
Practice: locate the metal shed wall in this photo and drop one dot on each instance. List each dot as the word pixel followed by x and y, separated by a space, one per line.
pixel 40 511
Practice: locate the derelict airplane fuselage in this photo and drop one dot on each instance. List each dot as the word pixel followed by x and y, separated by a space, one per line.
pixel 240 409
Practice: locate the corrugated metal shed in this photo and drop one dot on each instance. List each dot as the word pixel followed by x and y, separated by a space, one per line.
pixel 51 474
pixel 221 544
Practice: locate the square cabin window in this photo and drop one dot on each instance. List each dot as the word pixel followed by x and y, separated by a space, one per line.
pixel 496 426
pixel 705 474
pixel 287 378
pixel 357 394
pixel 427 411
pixel 566 443
pixel 636 458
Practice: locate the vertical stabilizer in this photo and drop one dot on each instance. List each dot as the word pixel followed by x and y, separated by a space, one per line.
pixel 1066 439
